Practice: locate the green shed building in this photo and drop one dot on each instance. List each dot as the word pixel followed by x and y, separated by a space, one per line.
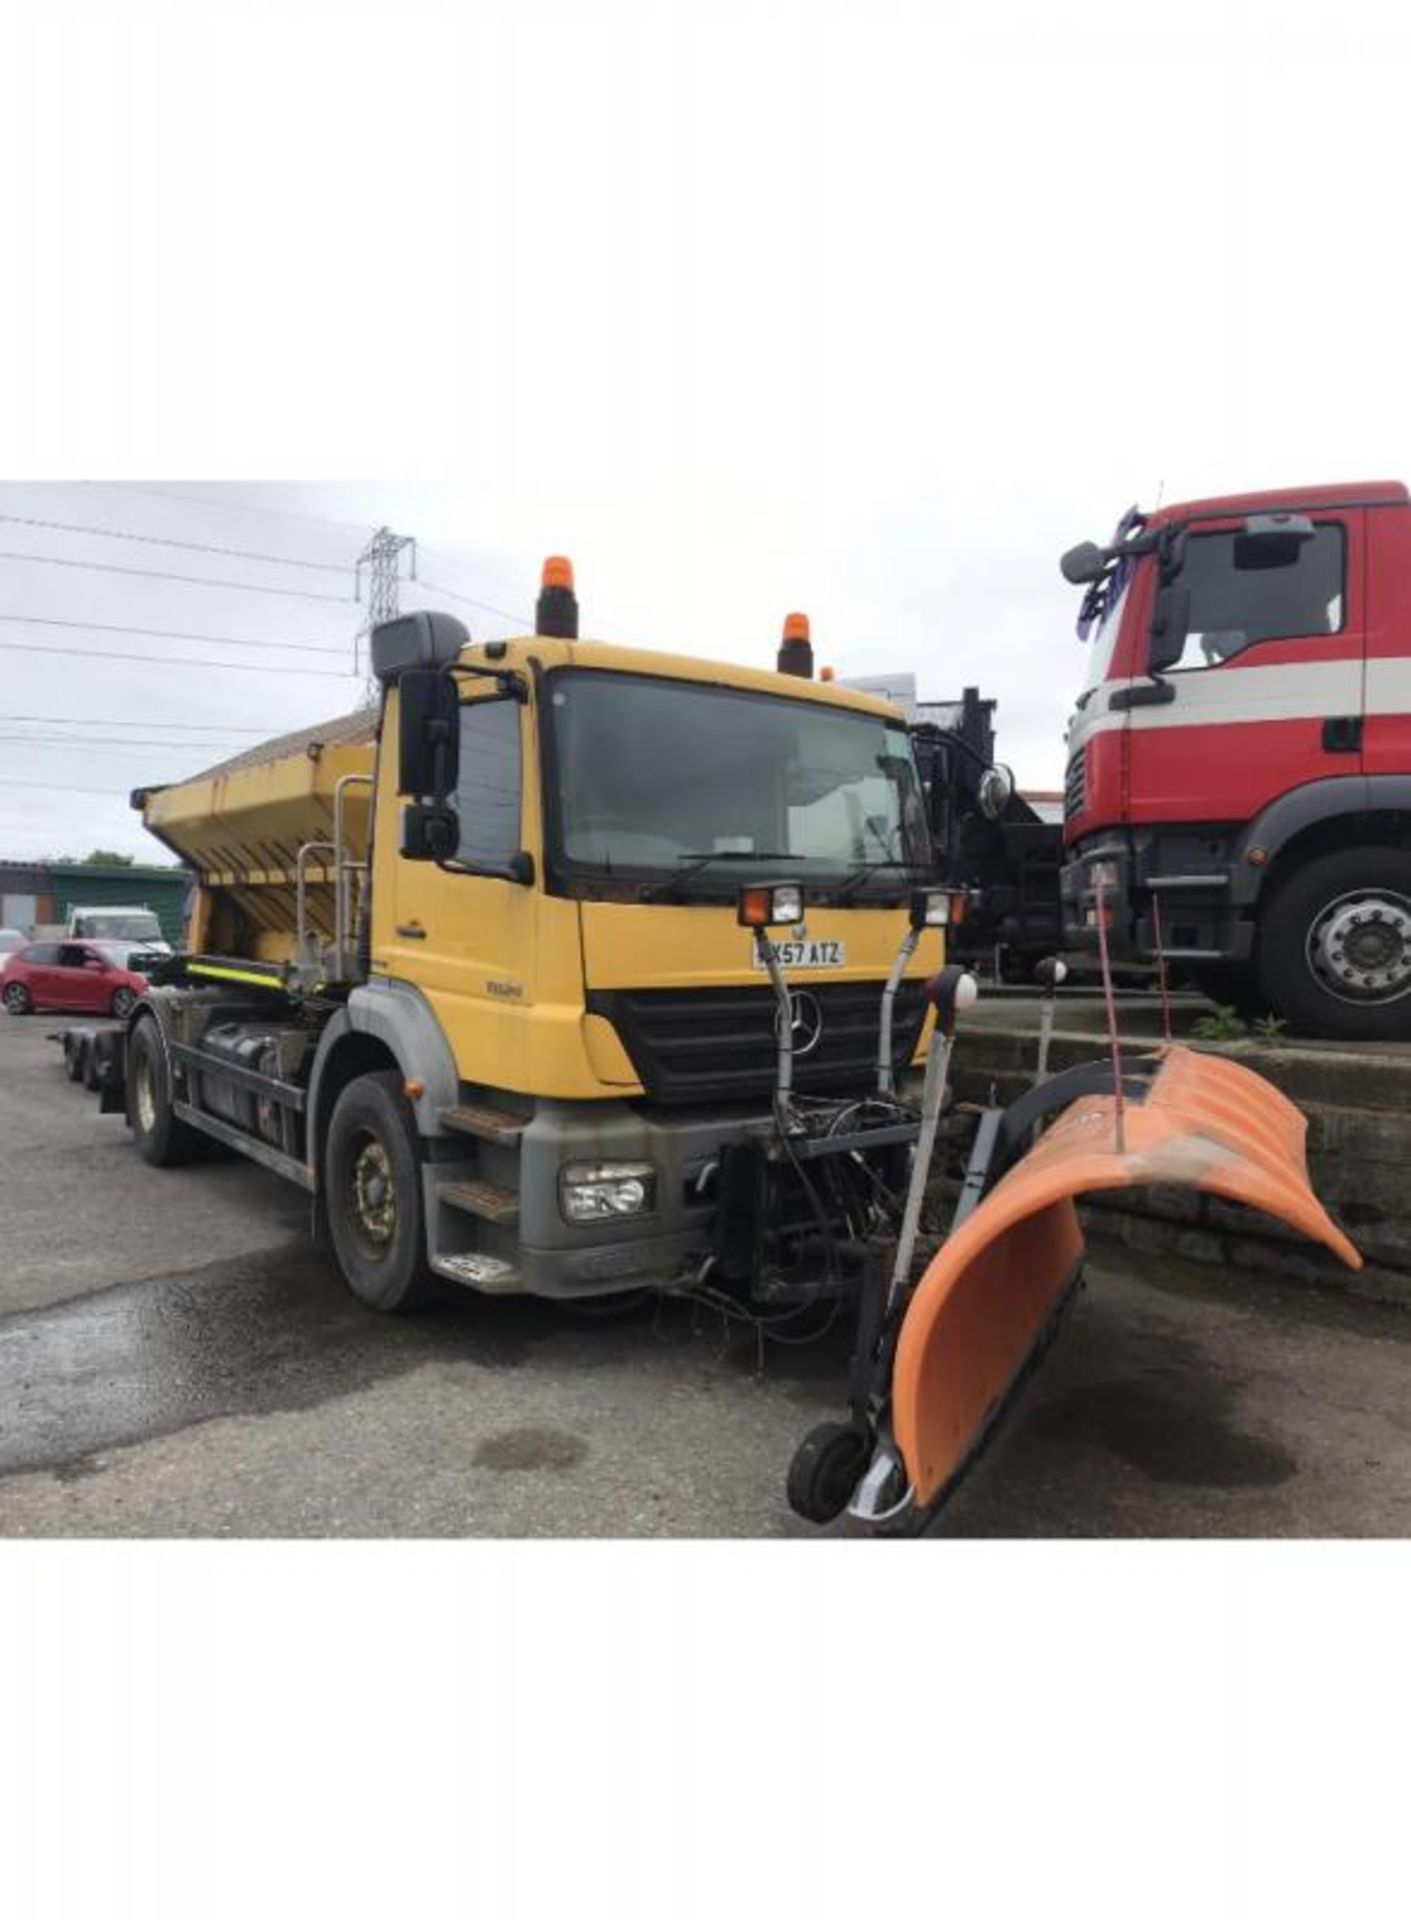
pixel 43 892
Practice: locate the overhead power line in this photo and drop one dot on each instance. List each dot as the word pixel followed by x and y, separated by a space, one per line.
pixel 165 540
pixel 228 506
pixel 514 619
pixel 168 660
pixel 169 633
pixel 485 606
pixel 186 579
pixel 42 786
pixel 103 742
pixel 77 720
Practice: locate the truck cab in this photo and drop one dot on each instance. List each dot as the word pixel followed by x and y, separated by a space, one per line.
pixel 1238 789
pixel 573 969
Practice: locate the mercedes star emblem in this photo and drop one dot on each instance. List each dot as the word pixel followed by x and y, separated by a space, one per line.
pixel 805 1022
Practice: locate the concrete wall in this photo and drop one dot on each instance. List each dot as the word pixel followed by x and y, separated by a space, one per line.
pixel 1358 1106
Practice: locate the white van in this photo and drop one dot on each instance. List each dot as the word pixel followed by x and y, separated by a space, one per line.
pixel 134 926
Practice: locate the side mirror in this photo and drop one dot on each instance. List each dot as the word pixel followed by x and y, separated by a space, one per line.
pixel 415 641
pixel 1083 564
pixel 996 790
pixel 429 734
pixel 1169 627
pixel 430 831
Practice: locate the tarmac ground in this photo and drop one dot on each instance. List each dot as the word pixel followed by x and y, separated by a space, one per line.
pixel 178 1357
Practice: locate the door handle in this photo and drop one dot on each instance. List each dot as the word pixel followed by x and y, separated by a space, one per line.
pixel 1343 734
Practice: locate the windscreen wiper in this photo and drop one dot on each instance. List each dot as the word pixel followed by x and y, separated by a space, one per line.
pixel 699 861
pixel 863 871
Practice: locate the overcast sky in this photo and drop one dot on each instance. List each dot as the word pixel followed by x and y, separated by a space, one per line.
pixel 865 310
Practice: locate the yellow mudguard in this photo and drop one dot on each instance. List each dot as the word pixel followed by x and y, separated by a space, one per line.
pixel 987 1298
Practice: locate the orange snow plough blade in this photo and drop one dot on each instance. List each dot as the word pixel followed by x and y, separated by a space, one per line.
pixel 994 1288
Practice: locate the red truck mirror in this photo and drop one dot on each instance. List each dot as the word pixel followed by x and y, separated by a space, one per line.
pixel 1169 626
pixel 1083 564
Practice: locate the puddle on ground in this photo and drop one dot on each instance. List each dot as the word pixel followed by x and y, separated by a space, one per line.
pixel 525 1449
pixel 1167 1438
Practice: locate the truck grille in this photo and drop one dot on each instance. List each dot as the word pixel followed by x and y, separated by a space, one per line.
pixel 698 1044
pixel 1075 785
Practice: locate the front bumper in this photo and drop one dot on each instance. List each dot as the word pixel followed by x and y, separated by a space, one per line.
pixel 1190 872
pixel 1079 895
pixel 665 1247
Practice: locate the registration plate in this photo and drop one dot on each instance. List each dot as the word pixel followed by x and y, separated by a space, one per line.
pixel 806 953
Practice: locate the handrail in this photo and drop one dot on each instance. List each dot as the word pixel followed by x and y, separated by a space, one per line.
pixel 305 946
pixel 342 918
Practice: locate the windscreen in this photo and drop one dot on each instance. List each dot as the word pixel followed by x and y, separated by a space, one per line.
pixel 119 926
pixel 1104 637
pixel 655 776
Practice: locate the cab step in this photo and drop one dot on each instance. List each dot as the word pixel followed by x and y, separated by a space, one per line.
pixel 479 1270
pixel 499 1205
pixel 486 1123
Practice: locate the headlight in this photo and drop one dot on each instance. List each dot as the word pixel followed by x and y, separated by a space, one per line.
pixel 930 908
pixel 769 906
pixel 1101 873
pixel 591 1190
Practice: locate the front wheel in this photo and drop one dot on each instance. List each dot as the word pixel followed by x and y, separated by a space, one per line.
pixel 124 1000
pixel 159 1136
pixel 16 998
pixel 1334 952
pixel 372 1192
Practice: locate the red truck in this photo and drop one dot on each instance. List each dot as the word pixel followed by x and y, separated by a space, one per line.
pixel 1239 769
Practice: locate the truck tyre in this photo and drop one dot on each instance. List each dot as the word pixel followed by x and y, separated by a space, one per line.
pixel 16 998
pixel 160 1137
pixel 1334 946
pixel 372 1192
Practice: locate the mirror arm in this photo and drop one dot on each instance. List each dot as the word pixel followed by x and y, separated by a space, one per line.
pixel 1158 691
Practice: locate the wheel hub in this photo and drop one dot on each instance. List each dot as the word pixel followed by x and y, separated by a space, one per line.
pixel 1359 947
pixel 374 1193
pixel 144 1095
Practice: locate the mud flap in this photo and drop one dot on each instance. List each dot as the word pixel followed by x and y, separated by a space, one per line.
pixel 993 1290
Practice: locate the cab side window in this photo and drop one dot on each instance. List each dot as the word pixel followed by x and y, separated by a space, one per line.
pixel 487 793
pixel 1235 607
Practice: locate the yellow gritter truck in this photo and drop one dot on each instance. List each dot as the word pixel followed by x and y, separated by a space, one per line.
pixel 574 970
pixel 571 969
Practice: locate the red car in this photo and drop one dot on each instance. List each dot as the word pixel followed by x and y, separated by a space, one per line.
pixel 72 976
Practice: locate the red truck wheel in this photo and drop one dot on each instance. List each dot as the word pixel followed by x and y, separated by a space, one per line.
pixel 1334 947
pixel 372 1191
